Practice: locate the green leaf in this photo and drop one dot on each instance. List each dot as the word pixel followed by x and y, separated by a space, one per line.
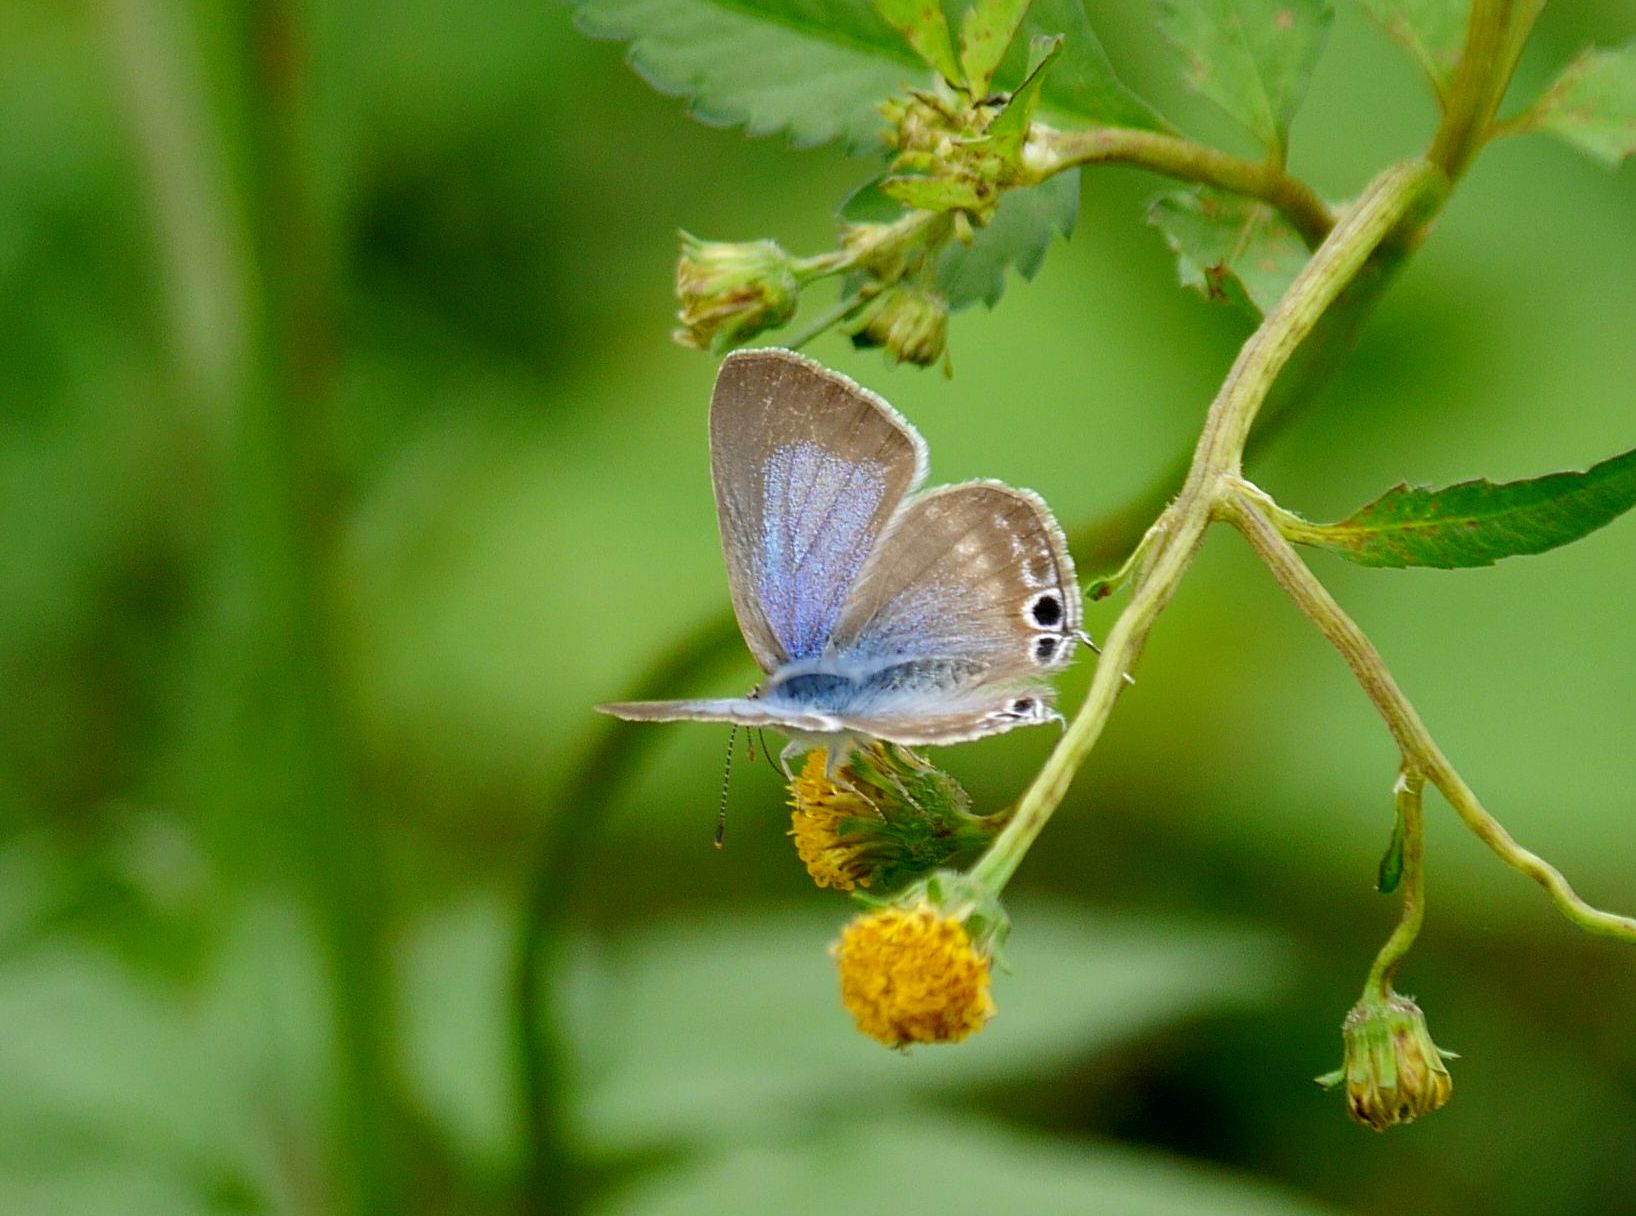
pixel 985 36
pixel 1253 58
pixel 813 69
pixel 1593 104
pixel 945 1164
pixel 1017 237
pixel 1082 84
pixel 691 1033
pixel 1229 248
pixel 926 29
pixel 1475 523
pixel 1390 871
pixel 1432 31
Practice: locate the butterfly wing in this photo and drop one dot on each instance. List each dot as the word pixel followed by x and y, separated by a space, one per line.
pixel 967 603
pixel 742 711
pixel 808 470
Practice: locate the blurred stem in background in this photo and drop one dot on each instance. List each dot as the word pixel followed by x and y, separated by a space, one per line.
pixel 247 257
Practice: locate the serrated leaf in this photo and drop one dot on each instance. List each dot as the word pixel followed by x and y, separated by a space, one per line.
pixel 926 29
pixel 812 69
pixel 1229 248
pixel 1593 104
pixel 1253 58
pixel 985 36
pixel 1475 523
pixel 1432 31
pixel 1017 237
pixel 1082 83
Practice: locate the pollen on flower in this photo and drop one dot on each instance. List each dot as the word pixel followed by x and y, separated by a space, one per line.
pixel 821 808
pixel 911 975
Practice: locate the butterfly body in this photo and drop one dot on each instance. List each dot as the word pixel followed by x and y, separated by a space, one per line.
pixel 874 612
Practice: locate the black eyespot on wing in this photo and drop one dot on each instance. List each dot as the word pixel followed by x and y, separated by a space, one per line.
pixel 1022 705
pixel 1044 648
pixel 1047 611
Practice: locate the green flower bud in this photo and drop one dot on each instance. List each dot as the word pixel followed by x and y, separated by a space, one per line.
pixel 912 323
pixel 730 293
pixel 1393 1072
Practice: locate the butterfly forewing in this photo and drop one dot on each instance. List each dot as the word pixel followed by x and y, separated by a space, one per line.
pixel 808 470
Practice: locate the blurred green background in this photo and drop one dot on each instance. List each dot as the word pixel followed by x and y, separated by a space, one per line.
pixel 345 463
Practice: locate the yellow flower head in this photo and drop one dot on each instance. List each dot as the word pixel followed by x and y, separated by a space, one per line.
pixel 820 825
pixel 882 818
pixel 913 975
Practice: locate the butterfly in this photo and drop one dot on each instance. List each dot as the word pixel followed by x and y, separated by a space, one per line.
pixel 874 611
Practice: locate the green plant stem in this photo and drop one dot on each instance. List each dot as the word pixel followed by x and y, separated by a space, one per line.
pixel 1495 33
pixel 1050 151
pixel 1401 195
pixel 1410 794
pixel 1419 749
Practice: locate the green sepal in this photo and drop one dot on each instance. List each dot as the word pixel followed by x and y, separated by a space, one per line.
pixel 1009 130
pixel 920 819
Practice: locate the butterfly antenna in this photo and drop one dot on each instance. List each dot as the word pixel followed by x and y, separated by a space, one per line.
pixel 726 781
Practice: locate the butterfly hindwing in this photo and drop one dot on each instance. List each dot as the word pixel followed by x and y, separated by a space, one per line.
pixel 978 574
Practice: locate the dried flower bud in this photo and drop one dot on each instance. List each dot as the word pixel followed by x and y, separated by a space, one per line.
pixel 912 323
pixel 1393 1072
pixel 731 292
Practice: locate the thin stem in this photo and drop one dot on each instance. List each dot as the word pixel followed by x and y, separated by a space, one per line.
pixel 1051 151
pixel 1409 790
pixel 1490 53
pixel 1412 737
pixel 1395 198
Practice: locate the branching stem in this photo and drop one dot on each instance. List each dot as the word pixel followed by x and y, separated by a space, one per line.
pixel 1399 196
pixel 1051 151
pixel 1420 750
